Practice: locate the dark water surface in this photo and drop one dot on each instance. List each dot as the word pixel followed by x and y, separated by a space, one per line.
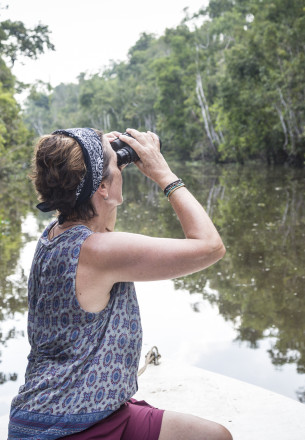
pixel 254 297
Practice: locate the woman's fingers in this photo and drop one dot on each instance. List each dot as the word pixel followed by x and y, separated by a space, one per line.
pixel 144 138
pixel 155 138
pixel 140 136
pixel 132 141
pixel 141 142
pixel 112 135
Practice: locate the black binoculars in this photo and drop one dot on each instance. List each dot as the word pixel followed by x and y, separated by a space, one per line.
pixel 125 153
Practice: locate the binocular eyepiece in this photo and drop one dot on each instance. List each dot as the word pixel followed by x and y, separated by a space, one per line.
pixel 125 153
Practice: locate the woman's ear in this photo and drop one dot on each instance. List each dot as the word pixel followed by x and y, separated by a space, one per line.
pixel 103 190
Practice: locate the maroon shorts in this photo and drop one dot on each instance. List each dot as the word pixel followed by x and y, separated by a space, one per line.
pixel 136 419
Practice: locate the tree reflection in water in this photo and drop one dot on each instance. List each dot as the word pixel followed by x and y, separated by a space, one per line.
pixel 260 212
pixel 15 202
pixel 259 285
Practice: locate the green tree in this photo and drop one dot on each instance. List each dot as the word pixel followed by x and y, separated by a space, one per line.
pixel 226 84
pixel 15 41
pixel 259 101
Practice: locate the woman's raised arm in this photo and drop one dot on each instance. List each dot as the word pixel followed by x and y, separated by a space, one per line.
pixel 133 257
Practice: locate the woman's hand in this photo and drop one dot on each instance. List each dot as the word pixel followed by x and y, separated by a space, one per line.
pixel 152 163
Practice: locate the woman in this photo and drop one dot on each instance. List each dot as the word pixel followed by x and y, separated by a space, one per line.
pixel 84 325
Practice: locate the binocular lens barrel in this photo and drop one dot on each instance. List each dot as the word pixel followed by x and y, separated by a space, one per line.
pixel 125 156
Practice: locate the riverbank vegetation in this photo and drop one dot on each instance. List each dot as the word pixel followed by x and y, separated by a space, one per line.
pixel 226 85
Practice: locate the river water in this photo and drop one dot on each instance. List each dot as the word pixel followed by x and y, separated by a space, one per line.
pixel 244 317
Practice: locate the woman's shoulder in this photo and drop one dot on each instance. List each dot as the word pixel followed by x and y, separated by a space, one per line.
pixel 108 243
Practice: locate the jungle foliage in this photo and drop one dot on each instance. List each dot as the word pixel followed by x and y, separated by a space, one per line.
pixel 227 85
pixel 16 41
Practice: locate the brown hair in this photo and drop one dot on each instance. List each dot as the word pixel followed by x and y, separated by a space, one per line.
pixel 58 167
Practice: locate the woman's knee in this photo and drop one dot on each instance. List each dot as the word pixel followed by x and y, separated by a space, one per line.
pixel 215 431
pixel 178 426
pixel 223 433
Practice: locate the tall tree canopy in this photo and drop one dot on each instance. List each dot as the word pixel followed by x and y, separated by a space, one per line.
pixel 226 84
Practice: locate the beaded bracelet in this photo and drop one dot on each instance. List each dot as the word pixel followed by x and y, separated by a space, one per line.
pixel 171 185
pixel 180 185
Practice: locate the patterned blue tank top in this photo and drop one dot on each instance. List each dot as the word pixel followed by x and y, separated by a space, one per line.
pixel 82 366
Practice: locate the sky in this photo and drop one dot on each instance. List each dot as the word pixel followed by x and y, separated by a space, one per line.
pixel 89 34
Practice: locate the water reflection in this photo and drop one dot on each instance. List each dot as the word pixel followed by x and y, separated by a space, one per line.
pixel 14 203
pixel 259 285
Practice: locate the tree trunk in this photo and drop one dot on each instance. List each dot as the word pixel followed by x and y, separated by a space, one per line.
pixel 283 126
pixel 289 122
pixel 211 134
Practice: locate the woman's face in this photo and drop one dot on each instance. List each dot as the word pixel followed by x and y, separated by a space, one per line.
pixel 114 182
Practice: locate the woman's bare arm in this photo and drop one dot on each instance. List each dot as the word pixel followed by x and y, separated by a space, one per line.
pixel 132 257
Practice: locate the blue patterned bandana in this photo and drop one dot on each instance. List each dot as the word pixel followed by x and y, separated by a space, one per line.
pixel 92 149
